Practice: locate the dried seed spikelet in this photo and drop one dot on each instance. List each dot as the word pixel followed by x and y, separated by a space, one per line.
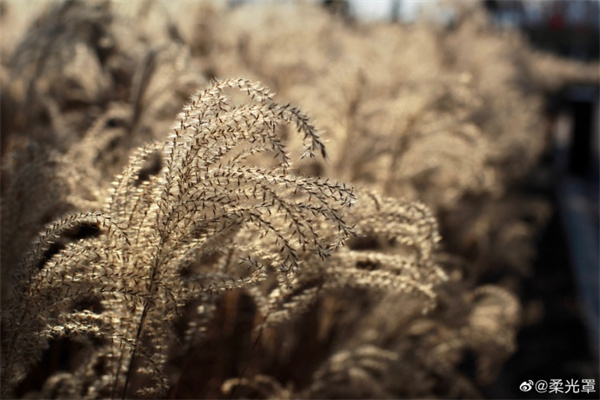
pixel 37 187
pixel 392 251
pixel 56 66
pixel 266 386
pixel 492 329
pixel 169 234
pixel 352 373
pixel 349 373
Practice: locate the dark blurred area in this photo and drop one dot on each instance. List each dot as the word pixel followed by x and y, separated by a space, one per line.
pixel 568 28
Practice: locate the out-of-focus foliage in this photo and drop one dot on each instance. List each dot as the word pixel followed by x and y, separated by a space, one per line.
pixel 224 259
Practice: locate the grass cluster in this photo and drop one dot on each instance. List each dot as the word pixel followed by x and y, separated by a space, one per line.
pixel 171 231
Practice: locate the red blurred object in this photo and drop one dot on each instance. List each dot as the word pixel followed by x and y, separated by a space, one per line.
pixel 556 22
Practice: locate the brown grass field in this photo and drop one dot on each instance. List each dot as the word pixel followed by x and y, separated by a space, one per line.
pixel 266 201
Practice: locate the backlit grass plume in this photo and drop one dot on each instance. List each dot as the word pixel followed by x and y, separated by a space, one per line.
pixel 116 279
